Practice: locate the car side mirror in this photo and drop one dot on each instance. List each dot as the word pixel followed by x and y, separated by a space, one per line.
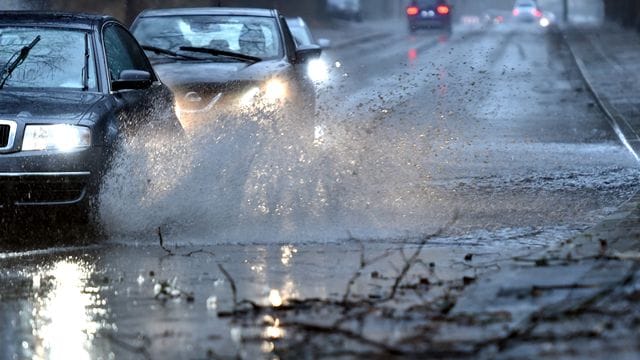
pixel 324 43
pixel 132 80
pixel 305 53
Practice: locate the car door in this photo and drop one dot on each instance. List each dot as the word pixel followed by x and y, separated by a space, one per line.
pixel 138 106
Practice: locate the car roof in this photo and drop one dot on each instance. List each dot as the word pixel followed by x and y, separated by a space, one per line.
pixel 50 18
pixel 209 11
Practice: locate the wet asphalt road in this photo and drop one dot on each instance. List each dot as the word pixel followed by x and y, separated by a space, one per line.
pixel 489 127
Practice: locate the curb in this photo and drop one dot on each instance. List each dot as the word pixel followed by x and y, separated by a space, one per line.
pixel 620 126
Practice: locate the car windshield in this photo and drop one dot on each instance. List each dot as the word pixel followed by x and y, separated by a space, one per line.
pixel 56 61
pixel 525 4
pixel 248 35
pixel 426 3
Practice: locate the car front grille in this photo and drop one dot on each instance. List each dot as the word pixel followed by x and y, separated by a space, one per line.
pixel 7 134
pixel 33 191
pixel 4 135
pixel 38 193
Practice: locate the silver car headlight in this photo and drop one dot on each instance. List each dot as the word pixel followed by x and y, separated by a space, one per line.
pixel 317 70
pixel 274 91
pixel 59 137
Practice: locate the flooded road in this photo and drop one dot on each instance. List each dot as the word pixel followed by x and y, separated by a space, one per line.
pixel 485 137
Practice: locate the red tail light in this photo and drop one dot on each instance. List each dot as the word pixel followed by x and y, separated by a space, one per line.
pixel 516 12
pixel 413 10
pixel 442 9
pixel 536 12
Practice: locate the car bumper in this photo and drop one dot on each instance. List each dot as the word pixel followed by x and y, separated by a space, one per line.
pixel 32 179
pixel 232 104
pixel 426 22
pixel 526 18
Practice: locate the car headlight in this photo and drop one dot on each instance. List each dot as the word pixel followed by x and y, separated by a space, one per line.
pixel 317 70
pixel 544 22
pixel 249 97
pixel 60 137
pixel 274 91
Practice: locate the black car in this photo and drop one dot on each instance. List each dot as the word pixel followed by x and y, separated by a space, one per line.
pixel 227 59
pixel 70 86
pixel 429 14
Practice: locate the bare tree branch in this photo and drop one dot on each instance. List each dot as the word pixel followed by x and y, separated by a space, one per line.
pixel 232 283
pixel 162 242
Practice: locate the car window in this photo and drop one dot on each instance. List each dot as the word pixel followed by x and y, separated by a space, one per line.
pixel 123 52
pixel 289 42
pixel 427 3
pixel 525 4
pixel 56 61
pixel 300 35
pixel 249 35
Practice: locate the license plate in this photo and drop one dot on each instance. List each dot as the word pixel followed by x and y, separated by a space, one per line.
pixel 426 13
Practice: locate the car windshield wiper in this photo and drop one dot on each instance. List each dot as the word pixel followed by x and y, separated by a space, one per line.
pixel 229 54
pixel 15 60
pixel 158 50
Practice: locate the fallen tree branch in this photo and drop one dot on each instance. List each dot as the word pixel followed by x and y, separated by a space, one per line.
pixel 162 242
pixel 232 284
pixel 141 349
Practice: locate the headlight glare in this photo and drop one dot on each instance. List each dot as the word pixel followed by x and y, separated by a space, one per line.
pixel 317 70
pixel 275 90
pixel 248 98
pixel 60 137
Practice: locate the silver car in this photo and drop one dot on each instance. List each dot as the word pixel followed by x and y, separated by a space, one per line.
pixel 526 11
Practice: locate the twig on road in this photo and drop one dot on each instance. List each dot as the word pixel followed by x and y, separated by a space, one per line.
pixel 412 260
pixel 232 284
pixel 171 253
pixel 345 332
pixel 363 264
pixel 162 242
pixel 142 349
pixel 200 251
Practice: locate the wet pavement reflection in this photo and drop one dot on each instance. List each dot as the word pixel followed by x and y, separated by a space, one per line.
pixel 119 301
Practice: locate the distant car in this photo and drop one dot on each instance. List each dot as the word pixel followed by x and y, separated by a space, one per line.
pixel 526 11
pixel 70 86
pixel 227 59
pixel 346 9
pixel 429 14
pixel 496 17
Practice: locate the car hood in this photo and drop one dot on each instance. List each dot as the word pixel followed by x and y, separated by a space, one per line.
pixel 187 74
pixel 47 106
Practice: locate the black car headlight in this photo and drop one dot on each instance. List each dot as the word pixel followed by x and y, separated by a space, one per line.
pixel 59 137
